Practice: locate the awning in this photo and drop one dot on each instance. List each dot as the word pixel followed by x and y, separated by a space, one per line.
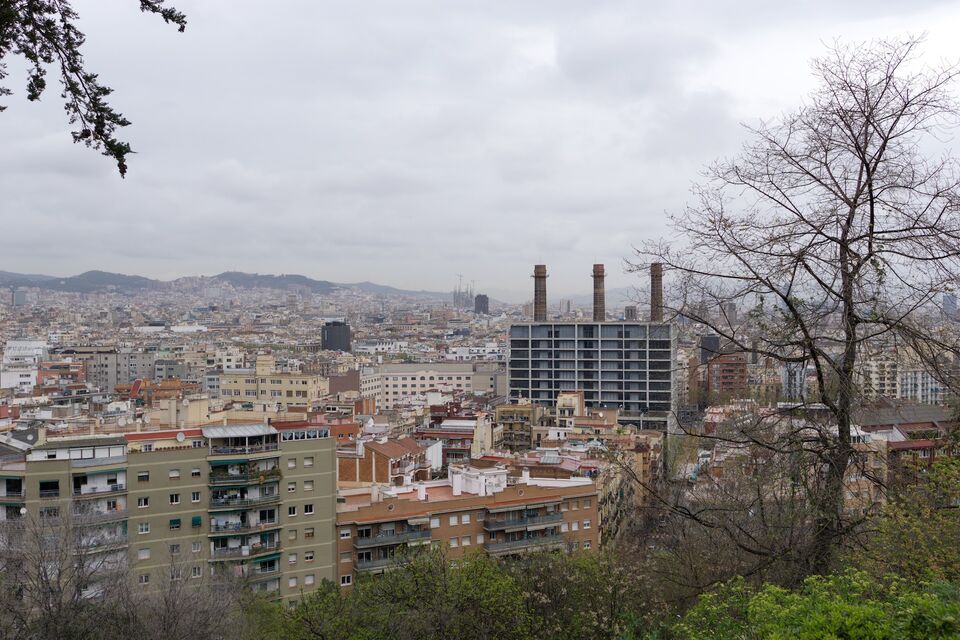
pixel 227 462
pixel 272 556
pixel 239 431
pixel 418 521
pixel 514 507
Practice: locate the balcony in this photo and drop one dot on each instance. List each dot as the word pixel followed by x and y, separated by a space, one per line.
pixel 13 496
pixel 250 449
pixel 534 543
pixel 379 563
pixel 97 517
pixel 101 544
pixel 383 540
pixel 243 552
pixel 242 527
pixel 228 503
pixel 271 475
pixel 518 523
pixel 96 492
pixel 47 494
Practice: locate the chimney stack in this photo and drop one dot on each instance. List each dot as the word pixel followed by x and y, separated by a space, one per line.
pixel 540 293
pixel 599 299
pixel 656 292
pixel 630 314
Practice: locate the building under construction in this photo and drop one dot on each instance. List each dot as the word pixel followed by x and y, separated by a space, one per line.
pixel 624 364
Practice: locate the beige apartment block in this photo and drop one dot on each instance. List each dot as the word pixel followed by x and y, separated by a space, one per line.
pixel 253 501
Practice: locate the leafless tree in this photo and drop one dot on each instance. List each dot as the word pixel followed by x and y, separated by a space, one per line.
pixel 837 227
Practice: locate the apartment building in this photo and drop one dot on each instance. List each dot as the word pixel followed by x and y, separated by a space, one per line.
pixel 252 500
pixel 517 421
pixel 474 509
pixel 616 364
pixel 396 384
pixel 266 385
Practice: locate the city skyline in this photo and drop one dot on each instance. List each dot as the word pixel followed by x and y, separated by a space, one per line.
pixel 354 138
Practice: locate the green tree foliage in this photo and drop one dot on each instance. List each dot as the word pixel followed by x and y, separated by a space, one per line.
pixel 852 606
pixel 44 33
pixel 918 535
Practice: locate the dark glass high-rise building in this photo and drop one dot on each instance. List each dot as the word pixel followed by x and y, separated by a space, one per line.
pixel 335 336
pixel 481 304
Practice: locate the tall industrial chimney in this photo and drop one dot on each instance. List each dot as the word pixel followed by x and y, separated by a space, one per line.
pixel 540 293
pixel 630 313
pixel 599 299
pixel 656 292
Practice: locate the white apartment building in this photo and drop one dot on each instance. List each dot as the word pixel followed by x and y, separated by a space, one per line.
pixel 396 384
pixel 488 351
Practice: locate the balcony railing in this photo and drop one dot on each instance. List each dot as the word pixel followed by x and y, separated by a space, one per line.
pixel 379 563
pixel 220 503
pixel 392 538
pixel 14 494
pixel 49 493
pixel 250 476
pixel 498 525
pixel 105 543
pixel 99 491
pixel 229 553
pixel 535 542
pixel 241 527
pixel 232 451
pixel 95 517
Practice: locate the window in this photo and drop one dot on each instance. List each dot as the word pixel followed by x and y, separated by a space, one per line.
pixel 308 462
pixel 148 446
pixel 143 578
pixel 292 511
pixel 346 581
pixel 292 535
pixel 196 522
pixel 308 556
pixel 453 521
pixel 292 463
pixel 195 496
pixel 174 498
pixel 175 574
pixel 434 523
pixel 195 472
pixel 453 542
pixel 479 516
pixel 465 518
pixel 308 509
pixel 143 476
pixel 586 524
pixel 586 544
pixel 564 527
pixel 143 503
pixel 479 538
pixel 308 485
pixel 143 554
pixel 196 572
pixel 309 579
pixel 175 549
pixel 175 524
pixel 291 487
pixel 143 527
pixel 575 505
pixel 586 503
pixel 174 474
pixel 344 533
pixel 465 541
pixel 292 558
pixel 292 583
pixel 575 526
pixel 195 547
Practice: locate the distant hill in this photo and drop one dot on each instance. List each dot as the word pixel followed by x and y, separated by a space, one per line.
pixel 266 281
pixel 101 281
pixel 87 282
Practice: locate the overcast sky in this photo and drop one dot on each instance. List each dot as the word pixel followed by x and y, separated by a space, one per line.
pixel 403 141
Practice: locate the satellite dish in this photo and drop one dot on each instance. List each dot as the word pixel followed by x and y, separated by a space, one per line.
pixel 122 422
pixel 181 436
pixel 146 419
pixel 186 402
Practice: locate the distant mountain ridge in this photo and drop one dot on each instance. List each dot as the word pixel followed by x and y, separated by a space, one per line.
pixel 104 281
